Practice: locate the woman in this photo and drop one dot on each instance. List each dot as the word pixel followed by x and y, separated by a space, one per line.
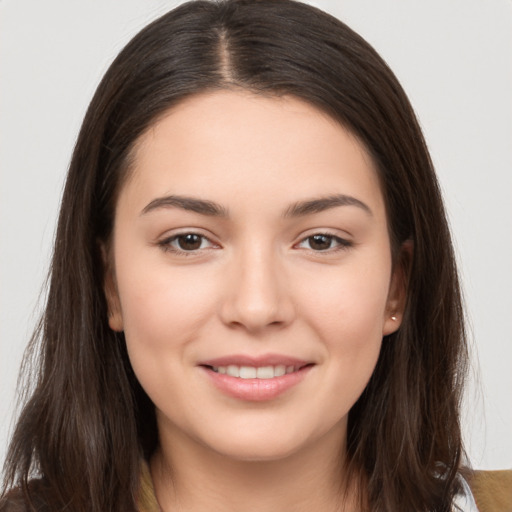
pixel 245 308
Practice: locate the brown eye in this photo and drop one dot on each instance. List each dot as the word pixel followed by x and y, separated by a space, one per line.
pixel 320 242
pixel 323 242
pixel 186 244
pixel 189 242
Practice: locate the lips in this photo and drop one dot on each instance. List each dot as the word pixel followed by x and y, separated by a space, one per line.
pixel 255 378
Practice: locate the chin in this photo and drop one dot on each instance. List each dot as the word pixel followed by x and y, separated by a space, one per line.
pixel 259 452
pixel 263 445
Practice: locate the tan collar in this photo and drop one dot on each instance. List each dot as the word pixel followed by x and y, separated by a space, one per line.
pixel 147 498
pixel 492 491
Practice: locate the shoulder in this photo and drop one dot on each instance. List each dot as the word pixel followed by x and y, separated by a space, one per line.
pixel 492 490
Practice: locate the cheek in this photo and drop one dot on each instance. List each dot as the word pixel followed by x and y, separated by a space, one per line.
pixel 164 313
pixel 347 314
pixel 349 304
pixel 162 310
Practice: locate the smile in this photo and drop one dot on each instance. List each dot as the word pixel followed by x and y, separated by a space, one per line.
pixel 251 372
pixel 255 379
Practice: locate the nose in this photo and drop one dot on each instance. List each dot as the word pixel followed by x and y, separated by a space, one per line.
pixel 258 295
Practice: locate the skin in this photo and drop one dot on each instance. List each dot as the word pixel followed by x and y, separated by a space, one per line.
pixel 256 285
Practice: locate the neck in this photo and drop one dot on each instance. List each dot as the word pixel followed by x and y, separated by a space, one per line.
pixel 190 477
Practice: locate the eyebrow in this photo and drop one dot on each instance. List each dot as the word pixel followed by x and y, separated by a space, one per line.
pixel 321 204
pixel 212 209
pixel 192 204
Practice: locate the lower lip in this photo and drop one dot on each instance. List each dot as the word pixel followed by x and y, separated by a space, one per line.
pixel 256 390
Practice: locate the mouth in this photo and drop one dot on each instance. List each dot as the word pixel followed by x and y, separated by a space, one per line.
pixel 256 372
pixel 255 380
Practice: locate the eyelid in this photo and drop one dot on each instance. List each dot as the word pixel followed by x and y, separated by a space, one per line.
pixel 165 242
pixel 343 243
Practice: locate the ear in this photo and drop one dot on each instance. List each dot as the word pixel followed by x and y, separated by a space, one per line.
pixel 115 317
pixel 397 295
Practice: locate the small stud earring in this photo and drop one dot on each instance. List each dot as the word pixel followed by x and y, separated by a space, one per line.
pixel 393 318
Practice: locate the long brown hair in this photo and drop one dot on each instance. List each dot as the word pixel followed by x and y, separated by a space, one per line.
pixel 87 422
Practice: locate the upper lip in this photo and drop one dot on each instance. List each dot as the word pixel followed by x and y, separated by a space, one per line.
pixel 255 361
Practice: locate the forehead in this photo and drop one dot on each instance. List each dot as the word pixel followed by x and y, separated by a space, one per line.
pixel 233 143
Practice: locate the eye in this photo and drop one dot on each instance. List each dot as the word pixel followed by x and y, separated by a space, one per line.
pixel 186 243
pixel 324 242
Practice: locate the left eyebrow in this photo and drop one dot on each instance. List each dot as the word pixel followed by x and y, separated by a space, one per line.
pixel 192 204
pixel 321 204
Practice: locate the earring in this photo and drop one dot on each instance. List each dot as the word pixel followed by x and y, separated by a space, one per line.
pixel 393 318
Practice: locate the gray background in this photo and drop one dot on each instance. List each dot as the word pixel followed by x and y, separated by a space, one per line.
pixel 453 57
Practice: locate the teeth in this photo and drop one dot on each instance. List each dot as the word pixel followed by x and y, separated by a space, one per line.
pixel 233 371
pixel 247 372
pixel 250 372
pixel 280 370
pixel 265 372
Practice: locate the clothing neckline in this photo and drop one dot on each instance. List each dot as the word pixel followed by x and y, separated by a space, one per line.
pixel 147 501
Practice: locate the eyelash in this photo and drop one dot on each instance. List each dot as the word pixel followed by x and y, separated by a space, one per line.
pixel 166 244
pixel 341 243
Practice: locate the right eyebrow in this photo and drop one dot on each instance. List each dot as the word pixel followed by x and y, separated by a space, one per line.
pixel 321 204
pixel 200 206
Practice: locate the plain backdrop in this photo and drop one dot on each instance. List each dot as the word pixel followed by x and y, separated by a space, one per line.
pixel 454 59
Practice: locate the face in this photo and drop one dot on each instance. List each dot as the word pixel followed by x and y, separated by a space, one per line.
pixel 251 274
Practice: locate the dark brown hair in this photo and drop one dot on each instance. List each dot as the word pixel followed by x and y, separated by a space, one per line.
pixel 87 423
